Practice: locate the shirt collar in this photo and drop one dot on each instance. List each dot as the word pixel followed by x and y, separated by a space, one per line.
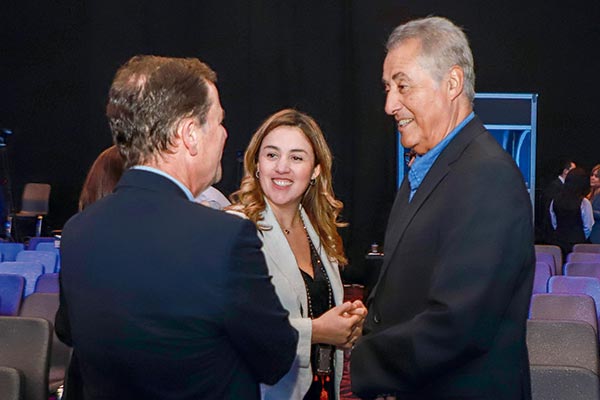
pixel 422 164
pixel 185 189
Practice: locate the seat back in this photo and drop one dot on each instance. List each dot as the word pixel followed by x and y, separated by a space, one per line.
pixel 577 285
pixel 35 198
pixel 586 248
pixel 51 246
pixel 46 258
pixel 30 270
pixel 47 283
pixel 583 257
pixel 576 268
pixel 542 274
pixel 36 240
pixel 564 307
pixel 566 343
pixel 9 250
pixel 12 288
pixel 549 259
pixel 551 249
pixel 554 382
pixel 10 384
pixel 25 345
pixel 45 305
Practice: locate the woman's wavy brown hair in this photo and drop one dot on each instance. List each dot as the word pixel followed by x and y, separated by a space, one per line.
pixel 595 191
pixel 102 176
pixel 319 202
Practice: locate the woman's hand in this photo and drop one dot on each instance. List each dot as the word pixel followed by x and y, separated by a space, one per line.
pixel 341 326
pixel 360 310
pixel 335 327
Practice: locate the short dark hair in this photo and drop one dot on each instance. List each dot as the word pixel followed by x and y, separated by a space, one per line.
pixel 564 163
pixel 148 98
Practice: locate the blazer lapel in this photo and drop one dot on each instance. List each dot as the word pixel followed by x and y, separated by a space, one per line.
pixel 279 250
pixel 403 212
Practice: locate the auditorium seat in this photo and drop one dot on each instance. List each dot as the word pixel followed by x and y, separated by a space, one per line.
pixel 551 249
pixel 12 288
pixel 32 337
pixel 577 285
pixel 549 259
pixel 45 305
pixel 46 258
pixel 562 343
pixel 586 248
pixel 30 270
pixel 9 250
pixel 47 283
pixel 575 268
pixel 51 246
pixel 555 382
pixel 583 257
pixel 36 240
pixel 542 274
pixel 10 384
pixel 565 307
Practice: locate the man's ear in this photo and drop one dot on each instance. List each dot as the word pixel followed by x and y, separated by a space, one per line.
pixel 189 131
pixel 455 82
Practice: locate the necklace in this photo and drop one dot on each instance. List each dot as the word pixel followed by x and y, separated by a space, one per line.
pixel 324 352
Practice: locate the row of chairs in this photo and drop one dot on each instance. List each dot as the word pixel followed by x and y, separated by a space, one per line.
pixel 29 347
pixel 12 290
pixel 45 252
pixel 582 252
pixel 562 330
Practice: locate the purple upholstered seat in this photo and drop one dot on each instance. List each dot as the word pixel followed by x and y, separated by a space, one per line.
pixel 549 259
pixel 542 274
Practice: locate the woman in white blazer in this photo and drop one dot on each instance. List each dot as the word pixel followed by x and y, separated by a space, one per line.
pixel 287 193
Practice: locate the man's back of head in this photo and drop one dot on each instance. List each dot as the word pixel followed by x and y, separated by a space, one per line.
pixel 149 96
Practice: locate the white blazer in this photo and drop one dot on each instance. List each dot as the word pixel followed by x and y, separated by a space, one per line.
pixel 290 288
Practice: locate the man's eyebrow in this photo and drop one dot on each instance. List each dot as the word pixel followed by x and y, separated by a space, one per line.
pixel 395 77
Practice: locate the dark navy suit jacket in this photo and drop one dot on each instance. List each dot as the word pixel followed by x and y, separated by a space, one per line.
pixel 163 298
pixel 447 317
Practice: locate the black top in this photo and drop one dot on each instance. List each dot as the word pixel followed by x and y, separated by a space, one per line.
pixel 320 299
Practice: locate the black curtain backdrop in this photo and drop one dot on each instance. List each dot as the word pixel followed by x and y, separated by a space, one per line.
pixel 57 60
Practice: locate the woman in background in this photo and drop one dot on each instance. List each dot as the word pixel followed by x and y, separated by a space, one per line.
pixel 287 193
pixel 571 212
pixel 595 200
pixel 102 176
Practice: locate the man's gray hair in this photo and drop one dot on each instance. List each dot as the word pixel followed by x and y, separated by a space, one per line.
pixel 443 46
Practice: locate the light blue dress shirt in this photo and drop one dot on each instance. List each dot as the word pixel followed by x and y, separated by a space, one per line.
pixel 422 164
pixel 187 191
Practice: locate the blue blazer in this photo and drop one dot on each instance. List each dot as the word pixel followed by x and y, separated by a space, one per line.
pixel 164 298
pixel 447 317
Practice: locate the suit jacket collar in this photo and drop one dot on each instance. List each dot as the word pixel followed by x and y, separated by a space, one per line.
pixel 135 178
pixel 403 212
pixel 278 248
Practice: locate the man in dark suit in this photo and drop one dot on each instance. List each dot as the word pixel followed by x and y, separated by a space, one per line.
pixel 447 317
pixel 161 297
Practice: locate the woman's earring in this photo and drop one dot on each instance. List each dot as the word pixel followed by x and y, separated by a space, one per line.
pixel 313 181
pixel 257 174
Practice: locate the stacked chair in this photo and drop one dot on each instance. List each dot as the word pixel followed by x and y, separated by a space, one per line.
pixel 563 326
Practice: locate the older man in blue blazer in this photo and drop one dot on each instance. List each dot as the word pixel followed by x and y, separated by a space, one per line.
pixel 447 317
pixel 161 297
